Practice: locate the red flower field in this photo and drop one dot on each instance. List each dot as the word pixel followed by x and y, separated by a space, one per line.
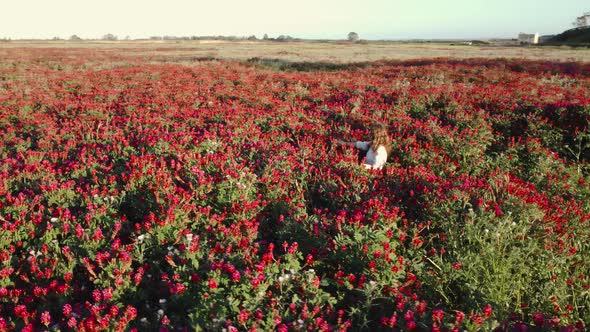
pixel 142 194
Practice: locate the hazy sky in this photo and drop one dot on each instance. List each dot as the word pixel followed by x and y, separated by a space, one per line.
pixel 371 19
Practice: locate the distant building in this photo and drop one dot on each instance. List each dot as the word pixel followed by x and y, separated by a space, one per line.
pixel 528 38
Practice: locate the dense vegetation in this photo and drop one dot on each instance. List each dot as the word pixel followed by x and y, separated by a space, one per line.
pixel 572 36
pixel 142 195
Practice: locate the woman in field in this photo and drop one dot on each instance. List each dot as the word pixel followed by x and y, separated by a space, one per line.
pixel 378 148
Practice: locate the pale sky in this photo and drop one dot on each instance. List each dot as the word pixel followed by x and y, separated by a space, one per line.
pixel 330 19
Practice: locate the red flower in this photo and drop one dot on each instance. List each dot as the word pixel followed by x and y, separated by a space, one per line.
pixel 45 318
pixel 437 315
pixel 477 319
pixel 67 310
pixel 498 211
pixel 72 322
pixel 459 317
pixel 487 311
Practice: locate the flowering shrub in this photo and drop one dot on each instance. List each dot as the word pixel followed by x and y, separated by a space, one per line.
pixel 136 194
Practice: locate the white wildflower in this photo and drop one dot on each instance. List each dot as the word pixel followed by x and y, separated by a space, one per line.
pixel 189 237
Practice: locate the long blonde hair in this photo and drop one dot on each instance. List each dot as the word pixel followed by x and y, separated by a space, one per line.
pixel 380 137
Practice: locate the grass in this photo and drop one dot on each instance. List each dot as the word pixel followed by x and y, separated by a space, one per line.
pixel 302 52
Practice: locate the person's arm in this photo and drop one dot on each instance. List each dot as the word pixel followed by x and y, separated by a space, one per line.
pixel 341 142
pixel 357 144
pixel 365 146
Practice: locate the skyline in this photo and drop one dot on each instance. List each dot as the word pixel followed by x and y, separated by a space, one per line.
pixel 330 19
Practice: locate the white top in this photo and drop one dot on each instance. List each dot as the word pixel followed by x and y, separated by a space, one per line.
pixel 374 159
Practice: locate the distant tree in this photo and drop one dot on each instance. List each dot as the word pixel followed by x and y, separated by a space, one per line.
pixel 56 38
pixel 75 38
pixel 110 37
pixel 265 37
pixel 582 21
pixel 253 37
pixel 284 38
pixel 353 36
